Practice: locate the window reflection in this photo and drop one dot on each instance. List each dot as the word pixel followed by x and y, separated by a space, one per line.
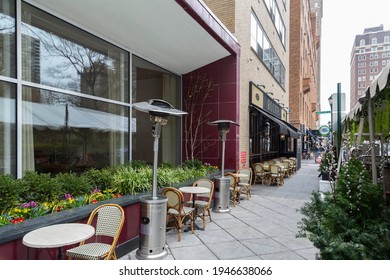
pixel 66 133
pixel 7 129
pixel 7 39
pixel 60 55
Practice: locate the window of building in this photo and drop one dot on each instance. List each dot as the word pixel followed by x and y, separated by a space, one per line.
pixel 276 17
pixel 362 42
pixel 386 39
pixel 7 40
pixel 7 128
pixel 265 51
pixel 75 110
pixel 374 41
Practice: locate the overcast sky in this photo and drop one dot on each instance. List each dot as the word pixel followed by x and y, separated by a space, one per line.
pixel 342 21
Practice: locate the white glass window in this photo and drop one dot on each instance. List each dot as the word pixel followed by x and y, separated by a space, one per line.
pixel 387 39
pixel 362 42
pixel 374 41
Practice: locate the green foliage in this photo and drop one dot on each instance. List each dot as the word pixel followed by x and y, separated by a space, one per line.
pixel 353 223
pixel 99 178
pixel 127 180
pixel 8 192
pixel 38 187
pixel 71 183
pixel 37 194
pixel 195 163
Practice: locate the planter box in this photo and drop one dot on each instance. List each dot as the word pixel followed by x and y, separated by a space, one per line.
pixel 12 248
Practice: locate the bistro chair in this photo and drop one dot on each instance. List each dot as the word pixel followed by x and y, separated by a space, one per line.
pixel 203 201
pixel 276 175
pixel 245 182
pixel 177 213
pixel 235 189
pixel 260 174
pixel 109 220
pixel 287 168
pixel 294 164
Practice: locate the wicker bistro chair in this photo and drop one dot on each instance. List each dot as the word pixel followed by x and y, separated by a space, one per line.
pixel 235 190
pixel 260 174
pixel 294 164
pixel 109 222
pixel 245 182
pixel 287 168
pixel 177 213
pixel 203 201
pixel 276 175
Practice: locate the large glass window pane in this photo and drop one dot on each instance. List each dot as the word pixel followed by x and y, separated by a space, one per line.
pixel 60 55
pixel 7 38
pixel 152 82
pixel 7 129
pixel 62 133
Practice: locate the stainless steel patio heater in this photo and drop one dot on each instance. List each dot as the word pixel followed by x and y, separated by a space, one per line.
pixel 152 245
pixel 222 184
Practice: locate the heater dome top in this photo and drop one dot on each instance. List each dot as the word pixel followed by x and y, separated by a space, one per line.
pixel 159 107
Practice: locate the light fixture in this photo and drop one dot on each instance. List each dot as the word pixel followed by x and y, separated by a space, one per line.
pixel 282 137
pixel 269 93
pixel 263 86
pixel 277 100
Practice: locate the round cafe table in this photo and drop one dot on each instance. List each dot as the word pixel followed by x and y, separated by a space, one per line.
pixel 194 191
pixel 57 236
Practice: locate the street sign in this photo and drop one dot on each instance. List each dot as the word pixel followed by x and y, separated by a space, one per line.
pixel 323 112
pixel 324 130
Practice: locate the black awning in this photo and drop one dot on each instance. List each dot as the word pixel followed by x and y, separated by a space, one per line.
pixel 284 126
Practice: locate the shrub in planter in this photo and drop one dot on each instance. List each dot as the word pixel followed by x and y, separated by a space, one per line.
pixel 39 187
pixel 73 184
pixel 352 223
pixel 100 178
pixel 8 192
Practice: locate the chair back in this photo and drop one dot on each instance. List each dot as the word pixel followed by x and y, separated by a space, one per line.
pixel 275 169
pixel 286 164
pixel 257 168
pixel 248 172
pixel 205 183
pixel 175 199
pixel 110 219
pixel 266 165
pixel 233 179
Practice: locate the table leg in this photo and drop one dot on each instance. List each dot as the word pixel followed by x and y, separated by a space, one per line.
pixel 196 227
pixel 59 254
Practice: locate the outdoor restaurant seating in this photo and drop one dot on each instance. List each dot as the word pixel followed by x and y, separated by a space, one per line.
pixel 245 182
pixel 235 190
pixel 109 220
pixel 203 201
pixel 260 174
pixel 177 213
pixel 276 175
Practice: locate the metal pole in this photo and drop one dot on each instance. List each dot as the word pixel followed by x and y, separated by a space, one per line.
pixel 156 135
pixel 339 118
pixel 371 130
pixel 223 137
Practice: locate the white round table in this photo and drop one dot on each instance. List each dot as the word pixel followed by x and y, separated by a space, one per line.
pixel 56 236
pixel 194 190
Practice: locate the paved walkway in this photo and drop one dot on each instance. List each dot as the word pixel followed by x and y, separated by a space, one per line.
pixel 263 227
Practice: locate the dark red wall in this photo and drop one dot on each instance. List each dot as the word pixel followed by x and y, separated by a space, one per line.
pixel 223 103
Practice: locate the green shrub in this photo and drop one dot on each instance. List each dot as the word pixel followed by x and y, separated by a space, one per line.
pixel 71 183
pixel 8 192
pixel 352 223
pixel 127 180
pixel 197 164
pixel 38 187
pixel 100 178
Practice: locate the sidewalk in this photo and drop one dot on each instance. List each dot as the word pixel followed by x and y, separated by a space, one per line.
pixel 263 227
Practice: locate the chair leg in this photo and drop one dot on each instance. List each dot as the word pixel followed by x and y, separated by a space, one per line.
pixel 179 229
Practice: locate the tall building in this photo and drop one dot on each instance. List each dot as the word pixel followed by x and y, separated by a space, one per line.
pixel 265 131
pixel 370 54
pixel 305 31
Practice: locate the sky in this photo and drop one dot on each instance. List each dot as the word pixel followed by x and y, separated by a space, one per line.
pixel 342 21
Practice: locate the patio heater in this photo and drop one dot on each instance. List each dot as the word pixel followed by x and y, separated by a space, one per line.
pixel 222 184
pixel 152 245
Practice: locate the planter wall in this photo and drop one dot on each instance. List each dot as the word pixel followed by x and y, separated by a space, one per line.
pixel 12 248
